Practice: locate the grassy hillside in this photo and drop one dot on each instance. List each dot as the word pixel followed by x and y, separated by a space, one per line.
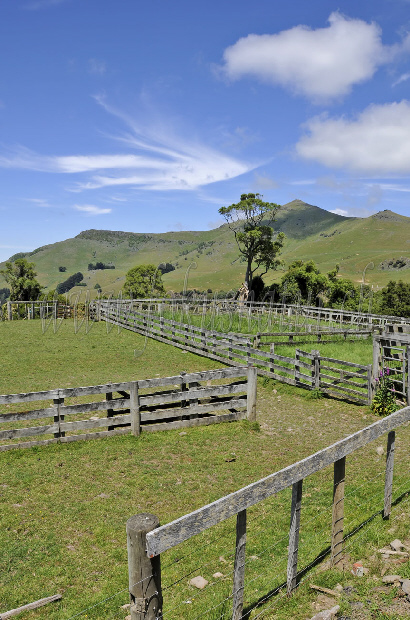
pixel 312 233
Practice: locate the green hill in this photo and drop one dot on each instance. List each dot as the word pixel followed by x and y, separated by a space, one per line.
pixel 312 233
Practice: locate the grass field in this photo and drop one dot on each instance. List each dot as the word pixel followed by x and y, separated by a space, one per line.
pixel 64 507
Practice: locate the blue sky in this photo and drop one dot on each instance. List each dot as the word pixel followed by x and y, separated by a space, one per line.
pixel 149 116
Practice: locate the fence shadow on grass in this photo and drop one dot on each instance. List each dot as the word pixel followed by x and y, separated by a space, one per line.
pixel 316 561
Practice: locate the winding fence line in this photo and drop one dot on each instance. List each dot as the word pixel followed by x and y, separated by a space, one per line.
pixel 334 377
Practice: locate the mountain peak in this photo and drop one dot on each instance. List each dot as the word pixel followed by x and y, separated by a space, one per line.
pixel 388 215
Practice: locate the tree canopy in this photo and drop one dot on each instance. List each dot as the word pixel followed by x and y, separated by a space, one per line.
pixel 21 278
pixel 143 281
pixel 250 220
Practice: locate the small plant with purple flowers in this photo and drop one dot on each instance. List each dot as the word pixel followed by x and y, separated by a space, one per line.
pixel 384 402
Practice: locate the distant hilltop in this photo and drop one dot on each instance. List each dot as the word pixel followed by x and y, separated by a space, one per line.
pixel 312 233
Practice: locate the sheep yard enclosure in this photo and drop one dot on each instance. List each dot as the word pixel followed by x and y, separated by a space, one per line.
pixel 64 507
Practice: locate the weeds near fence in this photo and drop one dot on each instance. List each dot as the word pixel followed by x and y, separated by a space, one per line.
pixel 384 401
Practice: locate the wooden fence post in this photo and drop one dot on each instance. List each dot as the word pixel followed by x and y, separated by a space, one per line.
pixel 408 374
pixel 369 385
pixel 338 510
pixel 252 375
pixel 9 311
pixel 110 412
pixel 376 360
pixel 184 388
pixel 58 417
pixel 297 366
pixel 294 536
pixel 144 573
pixel 316 369
pixel 239 566
pixel 272 359
pixel 135 409
pixel 388 484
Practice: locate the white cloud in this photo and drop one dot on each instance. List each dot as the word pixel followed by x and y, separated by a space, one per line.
pixel 91 209
pixel 320 64
pixel 377 141
pixel 158 161
pixel 340 212
pixel 96 67
pixel 40 202
pixel 403 78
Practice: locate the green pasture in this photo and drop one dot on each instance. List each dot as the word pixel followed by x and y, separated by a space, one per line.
pixel 64 507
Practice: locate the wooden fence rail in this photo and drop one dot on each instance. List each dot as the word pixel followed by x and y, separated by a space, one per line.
pixel 165 537
pixel 339 316
pixel 188 403
pixel 336 378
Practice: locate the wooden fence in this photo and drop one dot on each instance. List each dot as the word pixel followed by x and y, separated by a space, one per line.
pixel 338 316
pixel 144 560
pixel 16 310
pixel 334 377
pixel 184 402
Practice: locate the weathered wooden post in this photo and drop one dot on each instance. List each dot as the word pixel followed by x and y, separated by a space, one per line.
pixel 9 311
pixel 58 417
pixel 388 484
pixel 135 409
pixel 252 375
pixel 239 566
pixel 297 366
pixel 376 360
pixel 184 388
pixel 338 510
pixel 144 573
pixel 272 358
pixel 408 374
pixel 316 369
pixel 292 570
pixel 110 412
pixel 370 390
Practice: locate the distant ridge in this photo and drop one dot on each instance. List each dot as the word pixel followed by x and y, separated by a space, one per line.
pixel 312 233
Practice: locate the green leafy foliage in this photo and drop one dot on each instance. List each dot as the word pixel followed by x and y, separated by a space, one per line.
pixel 21 277
pixel 68 284
pixel 250 219
pixel 143 281
pixel 99 265
pixel 394 299
pixel 384 402
pixel 4 295
pixel 166 267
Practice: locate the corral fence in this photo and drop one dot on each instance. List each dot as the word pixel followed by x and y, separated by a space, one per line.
pixel 391 356
pixel 147 540
pixel 188 399
pixel 16 310
pixel 334 377
pixel 332 316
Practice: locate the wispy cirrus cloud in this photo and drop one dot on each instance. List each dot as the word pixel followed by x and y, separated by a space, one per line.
pixel 403 78
pixel 155 159
pixel 96 67
pixel 43 4
pixel 320 64
pixel 92 209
